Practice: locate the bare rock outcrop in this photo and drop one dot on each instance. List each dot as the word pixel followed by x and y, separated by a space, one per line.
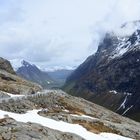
pixel 5 65
pixel 13 130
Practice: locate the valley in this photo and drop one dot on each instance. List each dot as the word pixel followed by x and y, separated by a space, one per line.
pixel 69 70
pixel 27 111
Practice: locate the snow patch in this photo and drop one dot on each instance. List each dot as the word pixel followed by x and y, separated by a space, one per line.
pixel 127 110
pixel 65 110
pixel 61 126
pixel 14 95
pixel 83 116
pixel 110 136
pixel 123 104
pixel 122 48
pixel 113 91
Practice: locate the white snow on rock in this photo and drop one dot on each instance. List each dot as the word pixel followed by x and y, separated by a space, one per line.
pixel 110 136
pixel 126 45
pixel 113 91
pixel 83 116
pixel 127 110
pixel 122 48
pixel 123 104
pixel 124 34
pixel 32 116
pixel 65 110
pixel 14 95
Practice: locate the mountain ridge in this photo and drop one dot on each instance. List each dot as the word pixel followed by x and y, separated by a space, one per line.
pixel 32 73
pixel 114 67
pixel 47 79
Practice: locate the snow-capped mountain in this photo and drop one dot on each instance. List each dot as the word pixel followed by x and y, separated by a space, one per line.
pixel 111 77
pixel 53 78
pixel 127 44
pixel 33 73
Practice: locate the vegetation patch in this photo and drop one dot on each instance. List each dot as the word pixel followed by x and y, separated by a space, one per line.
pixel 96 127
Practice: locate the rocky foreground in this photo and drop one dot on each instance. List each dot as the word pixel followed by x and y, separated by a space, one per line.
pixel 55 115
pixel 13 130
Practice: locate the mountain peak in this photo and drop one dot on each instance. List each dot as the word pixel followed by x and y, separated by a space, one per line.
pixel 114 67
pixel 25 63
pixel 32 73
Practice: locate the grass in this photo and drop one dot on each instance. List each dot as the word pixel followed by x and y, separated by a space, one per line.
pixel 96 127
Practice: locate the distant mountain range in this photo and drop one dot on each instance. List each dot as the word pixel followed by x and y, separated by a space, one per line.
pixel 111 76
pixel 53 79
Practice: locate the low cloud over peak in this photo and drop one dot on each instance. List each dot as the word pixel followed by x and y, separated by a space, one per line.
pixel 51 32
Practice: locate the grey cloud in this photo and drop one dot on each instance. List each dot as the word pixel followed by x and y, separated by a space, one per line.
pixel 52 33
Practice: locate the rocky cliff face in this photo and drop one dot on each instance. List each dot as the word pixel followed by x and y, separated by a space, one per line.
pixel 13 130
pixel 111 76
pixel 5 65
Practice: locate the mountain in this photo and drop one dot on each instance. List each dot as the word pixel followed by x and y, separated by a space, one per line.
pixel 34 74
pixel 29 112
pixel 111 77
pixel 10 82
pixel 60 75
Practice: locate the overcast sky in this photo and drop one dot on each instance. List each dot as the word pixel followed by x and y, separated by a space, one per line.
pixel 52 33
